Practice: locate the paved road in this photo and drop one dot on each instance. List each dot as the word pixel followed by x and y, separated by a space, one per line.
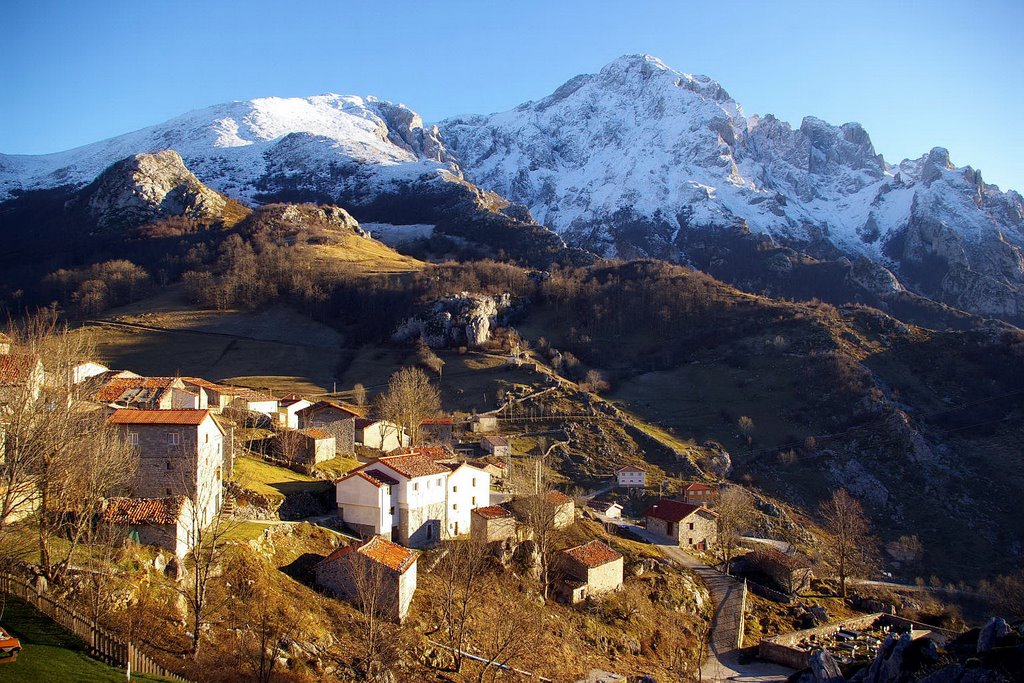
pixel 726 592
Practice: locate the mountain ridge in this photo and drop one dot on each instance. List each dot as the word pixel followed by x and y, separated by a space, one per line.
pixel 638 160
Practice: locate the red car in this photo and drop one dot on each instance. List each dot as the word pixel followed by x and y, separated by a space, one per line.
pixel 9 647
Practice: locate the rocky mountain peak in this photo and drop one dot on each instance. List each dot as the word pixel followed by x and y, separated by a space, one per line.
pixel 147 187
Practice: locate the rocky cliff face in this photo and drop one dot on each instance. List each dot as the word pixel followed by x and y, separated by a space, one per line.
pixel 640 158
pixel 144 188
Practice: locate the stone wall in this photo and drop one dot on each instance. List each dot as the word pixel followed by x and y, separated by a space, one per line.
pixel 342 429
pixel 421 527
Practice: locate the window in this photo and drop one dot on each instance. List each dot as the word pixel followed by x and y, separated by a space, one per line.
pixel 173 439
pixel 430 531
pixel 207 438
pixel 391 511
pixel 415 486
pixel 691 526
pixel 455 489
pixel 690 541
pixel 474 481
pixel 473 502
pixel 428 483
pixel 455 506
pixel 440 482
pixel 133 438
pixel 170 465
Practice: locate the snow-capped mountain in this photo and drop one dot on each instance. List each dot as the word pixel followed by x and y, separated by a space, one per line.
pixel 252 149
pixel 635 159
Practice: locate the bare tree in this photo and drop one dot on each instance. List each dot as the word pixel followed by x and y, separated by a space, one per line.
pixel 371 584
pixel 735 507
pixel 746 426
pixel 410 398
pixel 60 457
pixel 1008 592
pixel 852 550
pixel 359 395
pixel 505 630
pixel 428 358
pixel 461 571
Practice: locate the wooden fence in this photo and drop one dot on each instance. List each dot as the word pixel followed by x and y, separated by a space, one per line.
pixel 99 643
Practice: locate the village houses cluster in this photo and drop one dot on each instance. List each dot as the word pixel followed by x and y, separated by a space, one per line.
pixel 399 500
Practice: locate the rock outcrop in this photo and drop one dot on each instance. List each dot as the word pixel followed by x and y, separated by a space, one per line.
pixel 147 187
pixel 463 320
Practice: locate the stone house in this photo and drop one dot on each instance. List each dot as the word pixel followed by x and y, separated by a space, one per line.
pixel 381 435
pixel 590 569
pixel 214 396
pixel 334 419
pixel 561 507
pixel 437 430
pixel 306 447
pixel 148 393
pixel 631 476
pixel 689 526
pixel 181 453
pixel 483 424
pixel 163 522
pixel 412 499
pixel 288 408
pixel 790 573
pixel 699 494
pixel 492 524
pixel 375 569
pixel 496 446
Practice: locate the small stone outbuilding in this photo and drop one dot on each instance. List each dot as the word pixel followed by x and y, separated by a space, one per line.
pixel 377 569
pixel 590 569
pixel 689 526
pixel 493 523
pixel 163 522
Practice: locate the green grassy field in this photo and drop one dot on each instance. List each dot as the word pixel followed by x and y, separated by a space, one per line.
pixel 273 481
pixel 50 654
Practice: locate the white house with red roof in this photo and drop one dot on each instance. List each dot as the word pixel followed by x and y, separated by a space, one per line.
pixel 288 408
pixel 413 499
pixel 631 476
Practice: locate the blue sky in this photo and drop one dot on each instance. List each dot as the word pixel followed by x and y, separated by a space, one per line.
pixel 915 74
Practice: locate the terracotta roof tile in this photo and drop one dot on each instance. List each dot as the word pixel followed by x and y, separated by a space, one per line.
pixel 380 550
pixel 15 369
pixel 492 512
pixel 143 510
pixel 375 477
pixel 593 554
pixel 126 416
pixel 698 487
pixel 494 440
pixel 413 465
pixel 134 389
pixel 629 468
pixel 437 421
pixel 206 384
pixel 558 498
pixel 323 405
pixel 435 453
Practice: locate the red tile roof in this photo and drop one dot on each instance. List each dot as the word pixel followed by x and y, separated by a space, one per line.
pixel 413 465
pixel 593 554
pixel 375 477
pixel 251 395
pixel 143 510
pixel 432 452
pixel 558 498
pixel 127 416
pixel 492 512
pixel 629 468
pixel 494 440
pixel 437 421
pixel 381 550
pixel 15 369
pixel 131 388
pixel 698 487
pixel 323 405
pixel 672 510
